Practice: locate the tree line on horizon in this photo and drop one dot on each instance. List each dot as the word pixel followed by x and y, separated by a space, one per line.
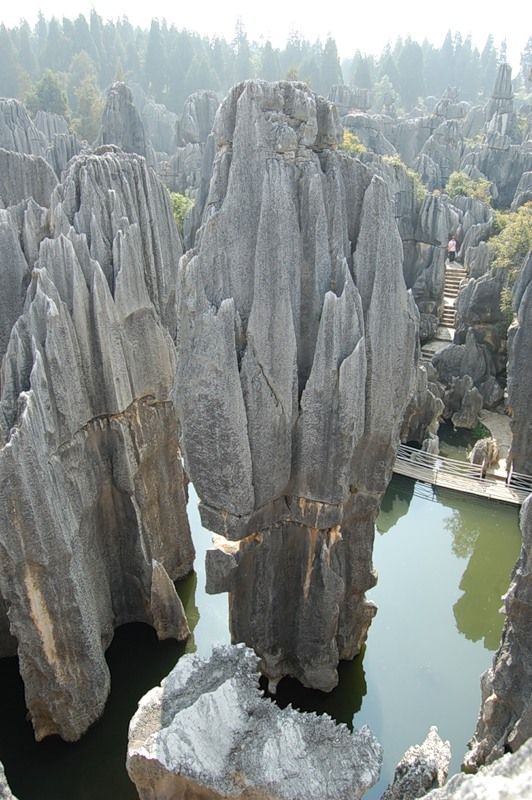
pixel 66 65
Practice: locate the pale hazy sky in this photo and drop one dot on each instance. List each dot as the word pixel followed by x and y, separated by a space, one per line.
pixel 360 24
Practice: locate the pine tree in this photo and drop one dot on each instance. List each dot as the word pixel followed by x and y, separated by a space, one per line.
pixel 410 67
pixel 155 65
pixel 270 68
pixel 26 54
pixel 90 109
pixel 200 75
pixel 58 52
pixel 526 61
pixel 488 62
pixel 10 78
pixel 362 73
pixel 243 66
pixel 48 95
pixel 331 72
pixel 83 40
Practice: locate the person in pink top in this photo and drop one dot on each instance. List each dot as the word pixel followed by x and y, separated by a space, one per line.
pixel 451 248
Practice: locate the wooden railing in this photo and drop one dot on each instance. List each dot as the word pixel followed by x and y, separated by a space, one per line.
pixel 460 476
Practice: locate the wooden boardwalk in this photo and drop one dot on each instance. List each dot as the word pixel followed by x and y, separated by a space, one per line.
pixel 461 476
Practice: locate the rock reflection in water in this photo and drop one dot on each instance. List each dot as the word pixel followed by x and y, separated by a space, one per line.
pixel 342 703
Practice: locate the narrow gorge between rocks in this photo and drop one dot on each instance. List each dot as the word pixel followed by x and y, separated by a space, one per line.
pixel 443 563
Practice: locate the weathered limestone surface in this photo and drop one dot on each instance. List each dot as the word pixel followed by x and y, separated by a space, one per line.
pixel 503 157
pixel 160 126
pixel 520 372
pixel 93 523
pixel 50 124
pixel 189 169
pixel 22 228
pixel 23 176
pixel 17 131
pixel 505 721
pixel 444 148
pixel 296 351
pixel 197 119
pixel 523 193
pixel 207 732
pixel 5 791
pixel 371 129
pixel 410 135
pixel 509 778
pixel 422 415
pixel 63 147
pixel 348 99
pixel 422 768
pixel 121 123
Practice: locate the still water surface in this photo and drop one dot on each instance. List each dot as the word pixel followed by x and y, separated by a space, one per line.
pixel 443 560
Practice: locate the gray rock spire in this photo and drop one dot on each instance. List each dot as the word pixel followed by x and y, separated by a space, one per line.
pixel 296 347
pixel 93 519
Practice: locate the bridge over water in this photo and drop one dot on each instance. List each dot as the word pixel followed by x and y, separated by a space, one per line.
pixel 461 476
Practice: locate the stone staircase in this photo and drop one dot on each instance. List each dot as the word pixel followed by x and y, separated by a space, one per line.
pixel 454 275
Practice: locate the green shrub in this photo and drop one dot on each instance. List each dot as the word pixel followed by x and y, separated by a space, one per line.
pixel 352 144
pixel 180 205
pixel 461 185
pixel 512 244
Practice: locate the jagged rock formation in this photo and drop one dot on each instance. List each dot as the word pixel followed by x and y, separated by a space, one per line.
pixel 371 129
pixel 347 99
pixel 523 193
pixel 92 492
pixel 479 316
pixel 422 768
pixel 5 791
pixel 50 124
pixel 62 145
pixel 509 778
pixel 207 732
pixel 122 125
pixel 295 365
pixel 485 453
pixel 197 118
pixel 63 148
pixel 519 372
pixel 409 136
pixel 444 148
pixel 17 131
pixel 194 216
pixel 450 106
pixel 477 260
pixel 189 169
pixel 160 125
pixel 503 157
pixel 23 176
pixel 500 116
pixel 422 416
pixel 505 721
pixel 460 369
pixel 22 228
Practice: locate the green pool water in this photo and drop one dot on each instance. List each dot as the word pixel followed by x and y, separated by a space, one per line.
pixel 443 562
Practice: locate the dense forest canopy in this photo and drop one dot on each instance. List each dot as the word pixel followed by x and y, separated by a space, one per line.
pixel 64 65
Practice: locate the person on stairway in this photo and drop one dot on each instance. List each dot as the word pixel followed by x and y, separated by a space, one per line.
pixel 451 248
